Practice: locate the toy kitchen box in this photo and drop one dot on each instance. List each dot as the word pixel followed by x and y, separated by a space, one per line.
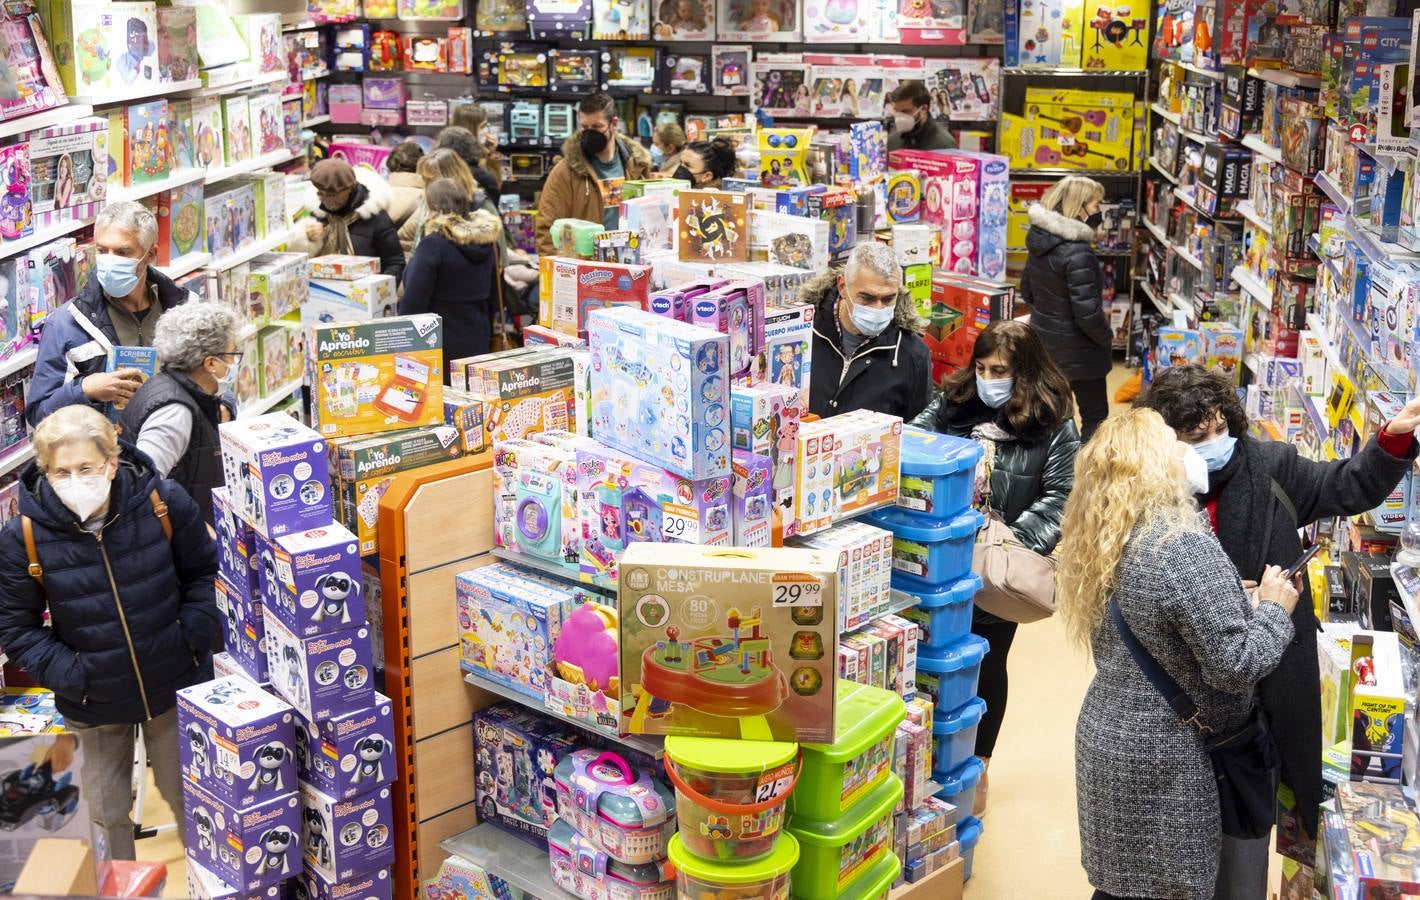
pixel 346 837
pixel 317 581
pixel 247 848
pixel 322 676
pixel 348 754
pixel 369 377
pixel 277 474
pixel 39 802
pixel 236 741
pixel 730 643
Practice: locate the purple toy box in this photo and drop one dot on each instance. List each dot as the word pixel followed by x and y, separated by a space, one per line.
pixel 376 885
pixel 203 884
pixel 348 754
pixel 515 755
pixel 238 742
pixel 236 549
pixel 277 474
pixel 243 630
pixel 318 581
pixel 322 676
pixel 736 310
pixel 753 506
pixel 247 848
pixel 343 838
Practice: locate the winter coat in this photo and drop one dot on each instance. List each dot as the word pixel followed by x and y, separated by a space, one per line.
pixel 669 164
pixel 133 618
pixel 406 193
pixel 1061 284
pixel 75 342
pixel 199 469
pixel 572 190
pixel 930 135
pixel 453 273
pixel 891 373
pixel 1147 800
pixel 372 233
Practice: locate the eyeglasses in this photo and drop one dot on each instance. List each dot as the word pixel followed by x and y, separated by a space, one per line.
pixel 235 357
pixel 84 472
pixel 783 140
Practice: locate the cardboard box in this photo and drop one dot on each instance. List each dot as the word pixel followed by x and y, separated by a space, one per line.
pixel 204 884
pixel 58 867
pixel 276 474
pixel 509 739
pixel 376 885
pixel 317 581
pixel 322 676
pixel 572 288
pixel 247 848
pixel 369 377
pixel 243 629
pixel 344 838
pixel 348 754
pixel 236 741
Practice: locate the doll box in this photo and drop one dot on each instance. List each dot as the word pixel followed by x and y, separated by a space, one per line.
pixel 729 644
pixel 348 754
pixel 343 838
pixel 376 885
pixel 752 485
pixel 571 289
pixel 515 755
pixel 236 557
pixel 509 620
pixel 276 473
pixel 317 581
pixel 68 168
pixel 247 848
pixel 787 358
pixel 236 741
pixel 735 310
pixel 624 814
pixel 243 629
pixel 321 676
pixel 372 376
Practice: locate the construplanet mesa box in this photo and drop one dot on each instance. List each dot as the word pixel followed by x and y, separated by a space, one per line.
pixel 369 377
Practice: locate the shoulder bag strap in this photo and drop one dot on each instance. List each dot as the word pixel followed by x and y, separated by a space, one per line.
pixel 160 509
pixel 28 528
pixel 1286 501
pixel 1177 699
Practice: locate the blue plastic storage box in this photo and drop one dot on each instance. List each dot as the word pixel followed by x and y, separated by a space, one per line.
pixel 938 473
pixel 959 787
pixel 943 615
pixel 930 552
pixel 969 832
pixel 949 675
pixel 955 733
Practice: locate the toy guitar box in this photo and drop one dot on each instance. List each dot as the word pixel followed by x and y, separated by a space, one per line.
pixel 369 376
pixel 1031 143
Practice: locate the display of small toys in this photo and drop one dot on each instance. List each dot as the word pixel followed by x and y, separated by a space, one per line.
pixel 683 20
pixel 758 20
pixel 369 376
pixel 714 227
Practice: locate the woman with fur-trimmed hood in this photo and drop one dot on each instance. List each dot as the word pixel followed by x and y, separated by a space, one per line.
pixel 454 270
pixel 351 217
pixel 868 350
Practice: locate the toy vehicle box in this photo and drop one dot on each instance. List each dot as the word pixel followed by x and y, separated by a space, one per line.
pixel 243 629
pixel 321 676
pixel 367 377
pixel 572 288
pixel 236 741
pixel 343 838
pixel 317 581
pixel 350 753
pixel 253 847
pixel 509 620
pixel 276 473
pixel 694 619
pixel 41 803
pixel 515 757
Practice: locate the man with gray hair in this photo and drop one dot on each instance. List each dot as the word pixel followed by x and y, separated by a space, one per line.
pixel 868 350
pixel 119 306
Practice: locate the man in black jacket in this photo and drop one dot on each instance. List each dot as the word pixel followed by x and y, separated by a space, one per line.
pixel 913 127
pixel 868 350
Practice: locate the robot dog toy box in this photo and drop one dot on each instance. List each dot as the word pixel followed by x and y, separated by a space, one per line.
pixel 276 473
pixel 236 741
pixel 369 377
pixel 317 581
pixel 348 754
pixel 376 885
pixel 247 848
pixel 204 884
pixel 243 629
pixel 236 550
pixel 343 838
pixel 516 753
pixel 321 676
pixel 41 797
pixel 731 643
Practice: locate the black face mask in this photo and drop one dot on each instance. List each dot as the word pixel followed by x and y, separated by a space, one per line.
pixel 684 174
pixel 592 142
pixel 1095 220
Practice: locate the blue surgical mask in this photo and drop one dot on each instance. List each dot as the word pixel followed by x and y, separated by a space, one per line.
pixel 1217 452
pixel 994 392
pixel 658 155
pixel 872 320
pixel 118 275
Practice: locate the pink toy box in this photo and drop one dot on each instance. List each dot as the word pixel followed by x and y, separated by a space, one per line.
pixel 753 490
pixel 586 668
pixel 787 358
pixel 736 310
pixel 345 104
pixel 765 420
pixel 581 869
pixel 627 815
pixel 535 503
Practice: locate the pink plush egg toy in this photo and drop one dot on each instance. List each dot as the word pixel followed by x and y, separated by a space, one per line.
pixel 586 650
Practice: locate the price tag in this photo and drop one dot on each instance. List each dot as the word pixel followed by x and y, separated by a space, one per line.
pixel 680 523
pixel 796 589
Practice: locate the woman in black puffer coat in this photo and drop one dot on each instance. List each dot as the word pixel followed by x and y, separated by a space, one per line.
pixel 1061 285
pixel 1016 404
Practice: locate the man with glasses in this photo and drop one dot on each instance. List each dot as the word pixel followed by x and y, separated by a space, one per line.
pixel 119 306
pixel 596 160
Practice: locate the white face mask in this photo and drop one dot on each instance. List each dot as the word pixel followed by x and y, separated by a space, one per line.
pixel 1195 470
pixel 227 379
pixel 903 122
pixel 83 494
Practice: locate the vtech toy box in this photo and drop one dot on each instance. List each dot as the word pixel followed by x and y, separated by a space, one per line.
pixel 247 848
pixel 348 754
pixel 344 838
pixel 276 473
pixel 318 581
pixel 236 741
pixel 321 676
pixel 369 377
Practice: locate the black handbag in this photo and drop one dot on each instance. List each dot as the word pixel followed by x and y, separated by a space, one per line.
pixel 1245 763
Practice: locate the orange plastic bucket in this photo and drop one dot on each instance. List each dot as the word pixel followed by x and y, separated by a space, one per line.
pixel 731 795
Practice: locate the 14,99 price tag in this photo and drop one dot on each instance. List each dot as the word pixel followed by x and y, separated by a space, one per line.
pixel 796 589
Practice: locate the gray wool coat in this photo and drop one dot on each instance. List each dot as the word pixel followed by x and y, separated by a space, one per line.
pixel 1148 804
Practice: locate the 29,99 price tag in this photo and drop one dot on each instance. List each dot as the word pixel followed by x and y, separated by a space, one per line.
pixel 796 589
pixel 680 523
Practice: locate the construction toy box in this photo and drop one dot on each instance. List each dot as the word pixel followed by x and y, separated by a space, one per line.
pixel 236 552
pixel 348 754
pixel 343 838
pixel 571 288
pixel 730 643
pixel 317 581
pixel 509 620
pixel 369 377
pixel 376 885
pixel 363 467
pixel 321 676
pixel 515 755
pixel 243 629
pixel 247 848
pixel 236 741
pixel 684 428
pixel 276 474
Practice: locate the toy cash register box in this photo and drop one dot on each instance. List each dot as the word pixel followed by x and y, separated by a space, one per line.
pixel 371 376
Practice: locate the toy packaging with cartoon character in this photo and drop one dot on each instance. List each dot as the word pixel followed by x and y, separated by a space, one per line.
pixel 363 467
pixel 236 741
pixel 68 170
pixel 369 376
pixel 752 486
pixel 321 676
pixel 535 503
pixel 247 847
pixel 204 884
pixel 515 755
pixel 276 473
pixel 42 798
pixel 236 551
pixel 376 885
pixel 343 838
pixel 317 581
pixel 243 629
pixel 509 619
pixel 348 754
pixel 572 288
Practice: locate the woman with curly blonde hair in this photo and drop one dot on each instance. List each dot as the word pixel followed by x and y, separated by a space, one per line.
pixel 1134 539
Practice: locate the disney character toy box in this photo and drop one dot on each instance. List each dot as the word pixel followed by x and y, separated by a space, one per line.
pixel 236 741
pixel 252 847
pixel 343 838
pixel 318 581
pixel 348 754
pixel 321 676
pixel 515 756
pixel 730 643
pixel 370 376
pixel 277 474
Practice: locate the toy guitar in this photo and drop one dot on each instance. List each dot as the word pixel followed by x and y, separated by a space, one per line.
pixel 1095 117
pixel 1080 148
pixel 1072 124
pixel 1046 156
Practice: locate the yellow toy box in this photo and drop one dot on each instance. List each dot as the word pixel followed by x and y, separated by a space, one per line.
pixel 1040 143
pixel 369 377
pixel 1115 40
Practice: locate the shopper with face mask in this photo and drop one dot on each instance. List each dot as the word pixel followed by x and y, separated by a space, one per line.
pixel 667 142
pixel 174 416
pixel 1061 284
pixel 351 218
pixel 119 306
pixel 1257 493
pixel 706 163
pixel 868 350
pixel 913 127
pixel 121 560
pixel 596 160
pixel 1015 403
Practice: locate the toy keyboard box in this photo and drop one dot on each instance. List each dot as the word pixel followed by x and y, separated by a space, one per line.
pixel 350 753
pixel 362 468
pixel 571 289
pixel 42 803
pixel 368 377
pixel 317 582
pixel 729 643
pixel 321 676
pixel 236 741
pixel 243 629
pixel 252 847
pixel 515 756
pixel 343 838
pixel 276 473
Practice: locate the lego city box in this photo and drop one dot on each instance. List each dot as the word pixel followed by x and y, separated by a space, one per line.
pixel 317 583
pixel 728 642
pixel 276 473
pixel 343 838
pixel 236 741
pixel 348 754
pixel 321 676
pixel 369 377
pixel 248 848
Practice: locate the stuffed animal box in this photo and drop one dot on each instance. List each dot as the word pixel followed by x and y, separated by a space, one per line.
pixel 348 754
pixel 236 741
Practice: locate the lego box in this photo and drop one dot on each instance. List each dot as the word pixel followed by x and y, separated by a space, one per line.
pixel 247 848
pixel 369 377
pixel 350 753
pixel 317 581
pixel 344 838
pixel 322 676
pixel 276 473
pixel 236 741
pixel 731 643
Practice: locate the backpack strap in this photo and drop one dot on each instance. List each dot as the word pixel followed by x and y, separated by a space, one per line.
pixel 28 528
pixel 1286 501
pixel 160 509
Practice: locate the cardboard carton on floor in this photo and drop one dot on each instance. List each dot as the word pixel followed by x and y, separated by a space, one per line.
pixel 59 867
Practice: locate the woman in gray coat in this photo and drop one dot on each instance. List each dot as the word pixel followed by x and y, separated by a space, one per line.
pixel 1132 535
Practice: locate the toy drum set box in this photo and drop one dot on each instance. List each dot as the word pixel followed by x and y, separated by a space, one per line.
pixel 729 642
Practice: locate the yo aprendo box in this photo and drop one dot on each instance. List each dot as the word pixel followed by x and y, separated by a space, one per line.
pixel 729 643
pixel 369 377
pixel 276 473
pixel 236 556
pixel 346 837
pixel 363 467
pixel 350 753
pixel 376 885
pixel 317 581
pixel 247 848
pixel 243 629
pixel 464 413
pixel 321 676
pixel 572 288
pixel 236 741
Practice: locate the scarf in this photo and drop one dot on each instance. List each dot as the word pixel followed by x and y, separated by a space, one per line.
pixel 337 225
pixel 989 435
pixel 1243 492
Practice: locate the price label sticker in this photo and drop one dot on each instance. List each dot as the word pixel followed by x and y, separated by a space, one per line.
pixel 796 589
pixel 680 523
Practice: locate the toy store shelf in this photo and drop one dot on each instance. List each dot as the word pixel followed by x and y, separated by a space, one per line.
pixel 1183 305
pixel 1375 248
pixel 24 359
pixel 1252 287
pixel 1156 231
pixel 1323 336
pixel 150 188
pixel 1163 308
pixel 1090 173
pixel 1198 70
pixel 313 121
pixel 142 92
pixel 1160 169
pixel 1286 77
pixel 1256 144
pixel 265 161
pixel 1249 212
pixel 1164 113
pixel 651 746
pixel 15 457
pixel 1407 585
pixel 261 79
pixel 265 404
pixel 1187 257
pixel 60 115
pixel 512 859
pixel 186 264
pixel 256 248
pixel 1058 72
pixel 546 568
pixel 1312 405
pixel 1329 188
pixel 41 236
